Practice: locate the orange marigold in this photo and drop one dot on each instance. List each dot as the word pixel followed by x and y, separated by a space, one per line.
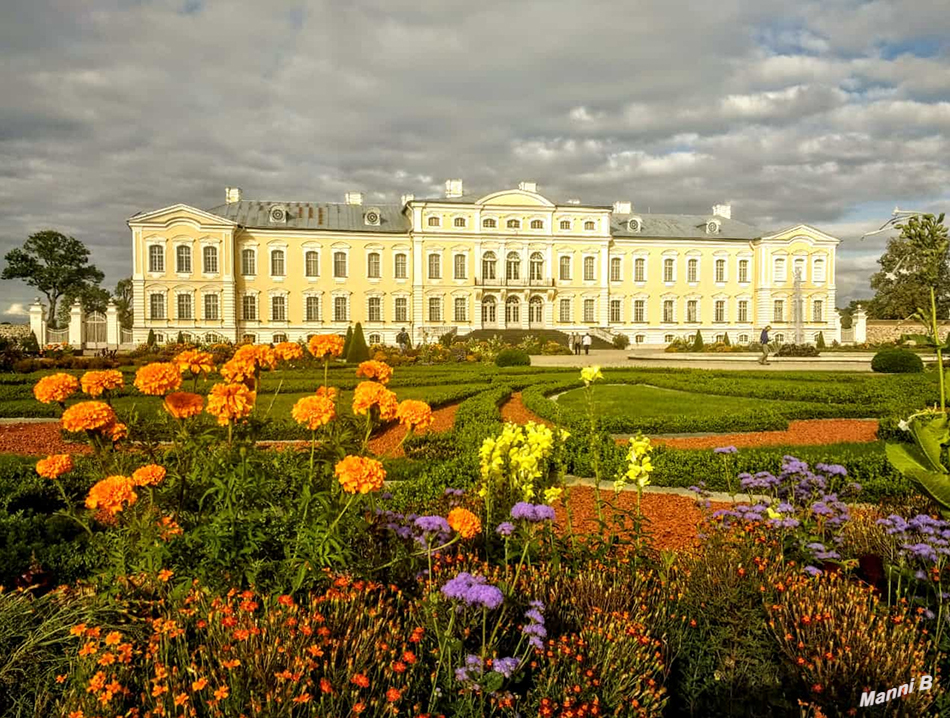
pixel 88 416
pixel 414 415
pixel 264 356
pixel 369 394
pixel 184 404
pixel 55 388
pixel 314 411
pixel 238 369
pixel 148 475
pixel 288 351
pixel 464 522
pixel 96 382
pixel 116 431
pixel 328 391
pixel 195 361
pixel 111 494
pixel 230 402
pixel 326 345
pixel 54 466
pixel 359 474
pixel 377 370
pixel 158 378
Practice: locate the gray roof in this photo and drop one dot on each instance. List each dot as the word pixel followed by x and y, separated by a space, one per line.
pixel 315 215
pixel 682 225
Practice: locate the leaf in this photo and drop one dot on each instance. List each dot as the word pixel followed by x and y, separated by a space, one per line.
pixel 922 340
pixel 936 486
pixel 931 435
pixel 906 458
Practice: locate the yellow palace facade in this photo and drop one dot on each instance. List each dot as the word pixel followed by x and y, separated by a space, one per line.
pixel 512 259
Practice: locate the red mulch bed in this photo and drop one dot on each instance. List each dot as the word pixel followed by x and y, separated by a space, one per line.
pixel 35 439
pixel 387 443
pixel 813 432
pixel 673 519
pixel 516 412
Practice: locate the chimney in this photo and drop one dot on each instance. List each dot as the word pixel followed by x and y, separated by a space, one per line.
pixel 453 188
pixel 622 207
pixel 232 195
pixel 353 198
pixel 528 186
pixel 406 199
pixel 573 200
pixel 722 210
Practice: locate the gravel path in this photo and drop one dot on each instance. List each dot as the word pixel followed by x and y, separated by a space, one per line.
pixel 387 443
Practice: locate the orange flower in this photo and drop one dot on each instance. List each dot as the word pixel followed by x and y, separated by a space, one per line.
pixel 264 356
pixel 97 682
pixel 165 574
pixel 117 431
pixel 288 351
pixel 111 494
pixel 195 361
pixel 464 522
pixel 148 475
pixel 221 693
pixel 199 685
pixel 328 391
pixel 184 404
pixel 96 382
pixel 414 415
pixel 89 649
pixel 326 345
pixel 358 474
pixel 377 370
pixel 393 695
pixel 54 466
pixel 181 699
pixel 88 416
pixel 369 394
pixel 360 680
pixel 230 402
pixel 113 638
pixel 55 388
pixel 314 411
pixel 158 378
pixel 238 369
pixel 78 630
pixel 302 698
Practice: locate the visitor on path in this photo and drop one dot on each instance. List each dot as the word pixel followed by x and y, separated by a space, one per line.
pixel 402 339
pixel 764 341
pixel 587 342
pixel 577 344
pixel 570 342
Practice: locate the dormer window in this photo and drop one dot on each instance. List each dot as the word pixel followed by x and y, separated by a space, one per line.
pixel 489 223
pixel 712 226
pixel 514 224
pixel 434 221
pixel 589 226
pixel 634 224
pixel 460 221
pixel 537 224
pixel 565 224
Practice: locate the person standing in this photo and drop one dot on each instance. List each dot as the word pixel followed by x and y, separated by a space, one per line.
pixel 577 344
pixel 764 341
pixel 570 342
pixel 587 342
pixel 402 339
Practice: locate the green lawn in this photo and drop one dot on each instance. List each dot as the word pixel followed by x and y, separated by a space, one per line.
pixel 638 400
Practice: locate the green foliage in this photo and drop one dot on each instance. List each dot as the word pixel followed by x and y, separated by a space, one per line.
pixel 797 350
pixel 180 339
pixel 923 461
pixel 697 345
pixel 725 339
pixel 151 338
pixel 123 302
pixel 346 341
pixel 512 357
pixel 621 341
pixel 30 345
pixel 897 361
pixel 358 351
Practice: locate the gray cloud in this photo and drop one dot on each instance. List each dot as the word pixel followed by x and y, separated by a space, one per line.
pixel 828 116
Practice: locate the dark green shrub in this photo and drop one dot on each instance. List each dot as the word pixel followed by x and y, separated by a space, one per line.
pixel 820 341
pixel 151 338
pixel 621 341
pixel 897 361
pixel 346 341
pixel 180 339
pixel 30 345
pixel 698 343
pixel 513 357
pixel 358 351
pixel 725 340
pixel 797 350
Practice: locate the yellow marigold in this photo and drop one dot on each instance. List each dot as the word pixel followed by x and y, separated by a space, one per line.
pixel 288 351
pixel 264 356
pixel 88 416
pixel 360 475
pixel 55 388
pixel 148 475
pixel 377 370
pixel 195 361
pixel 184 404
pixel 464 522
pixel 314 411
pixel 96 382
pixel 238 369
pixel 111 495
pixel 369 394
pixel 54 466
pixel 328 391
pixel 230 402
pixel 158 378
pixel 414 415
pixel 324 345
pixel 116 431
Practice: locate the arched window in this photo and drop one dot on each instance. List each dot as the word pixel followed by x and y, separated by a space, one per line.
pixel 488 310
pixel 277 263
pixel 692 270
pixel 374 309
pixel 489 223
pixel 339 264
pixel 512 310
pixel 537 224
pixel 720 270
pixel 435 266
pixel 248 262
pixel 312 263
pixel 615 265
pixel 459 221
pixel 818 270
pixel 156 258
pixel 514 224
pixel 639 269
pixel 537 266
pixel 778 273
pixel 668 267
pixel 183 259
pixel 373 265
pixel 488 265
pixel 210 256
pixel 433 221
pixel 536 310
pixel 565 224
pixel 588 269
pixel 459 262
pixel 565 268
pixel 375 339
pixel 590 226
pixel 400 266
pixel 512 266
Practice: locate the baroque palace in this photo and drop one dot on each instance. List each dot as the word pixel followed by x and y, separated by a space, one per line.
pixel 275 271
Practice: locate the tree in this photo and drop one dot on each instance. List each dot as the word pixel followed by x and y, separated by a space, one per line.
pixel 915 261
pixel 698 344
pixel 151 338
pixel 123 301
pixel 820 341
pixel 358 351
pixel 346 341
pixel 847 313
pixel 53 263
pixel 725 340
pixel 93 298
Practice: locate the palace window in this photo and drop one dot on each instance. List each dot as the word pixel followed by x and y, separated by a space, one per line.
pixel 615 311
pixel 461 309
pixel 564 310
pixel 489 223
pixel 537 224
pixel 639 339
pixel 374 309
pixel 460 272
pixel 184 306
pixel 565 267
pixel 778 310
pixel 183 259
pixel 341 307
pixel 211 307
pixel 313 309
pixel 744 271
pixel 668 267
pixel 588 269
pixel 537 266
pixel 279 338
pixel 278 308
pixel 488 265
pixel 668 310
pixel 692 270
pixel 668 338
pixel 720 311
pixel 373 265
pixel 459 222
pixel 435 266
pixel 536 310
pixel 514 224
pixel 248 338
pixel 799 270
pixel 512 266
pixel 615 265
pixel 565 224
pixel 210 256
pixel 639 269
pixel 817 310
pixel 743 311
pixel 640 310
pixel 156 259
pixel 249 307
pixel 434 221
pixel 590 226
pixel 400 266
pixel 339 264
pixel 402 309
pixel 720 270
pixel 743 338
pixel 248 262
pixel 277 263
pixel 311 261
pixel 779 270
pixel 818 270
pixel 589 311
pixel 512 311
pixel 489 310
pixel 692 311
pixel 435 309
pixel 375 339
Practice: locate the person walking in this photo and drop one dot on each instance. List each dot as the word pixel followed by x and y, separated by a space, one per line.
pixel 577 344
pixel 570 342
pixel 402 339
pixel 764 341
pixel 587 342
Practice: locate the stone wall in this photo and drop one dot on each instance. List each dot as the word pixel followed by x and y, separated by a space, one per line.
pixel 14 331
pixel 882 331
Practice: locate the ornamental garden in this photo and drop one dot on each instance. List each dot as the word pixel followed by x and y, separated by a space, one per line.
pixel 275 531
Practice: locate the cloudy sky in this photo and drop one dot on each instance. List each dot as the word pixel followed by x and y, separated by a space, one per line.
pixel 829 112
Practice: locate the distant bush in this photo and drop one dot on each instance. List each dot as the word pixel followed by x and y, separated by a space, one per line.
pixel 621 341
pixel 797 350
pixel 820 341
pixel 698 344
pixel 897 361
pixel 512 357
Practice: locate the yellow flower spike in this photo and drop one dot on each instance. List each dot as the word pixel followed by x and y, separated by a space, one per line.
pixel 590 374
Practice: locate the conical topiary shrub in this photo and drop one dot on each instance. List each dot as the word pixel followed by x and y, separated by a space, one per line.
pixel 346 342
pixel 358 351
pixel 151 338
pixel 820 341
pixel 180 339
pixel 725 340
pixel 698 342
pixel 30 345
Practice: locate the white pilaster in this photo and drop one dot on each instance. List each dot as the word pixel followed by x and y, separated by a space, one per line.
pixel 38 322
pixel 112 325
pixel 75 325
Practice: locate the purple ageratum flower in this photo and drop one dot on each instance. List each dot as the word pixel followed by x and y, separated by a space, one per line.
pixel 505 666
pixel 831 469
pixel 922 551
pixel 454 492
pixel 726 450
pixel 385 496
pixel 474 591
pixel 812 571
pixel 762 480
pixel 534 513
pixel 505 528
pixel 432 524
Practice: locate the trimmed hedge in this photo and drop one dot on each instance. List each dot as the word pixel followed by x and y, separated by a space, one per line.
pixel 512 357
pixel 897 361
